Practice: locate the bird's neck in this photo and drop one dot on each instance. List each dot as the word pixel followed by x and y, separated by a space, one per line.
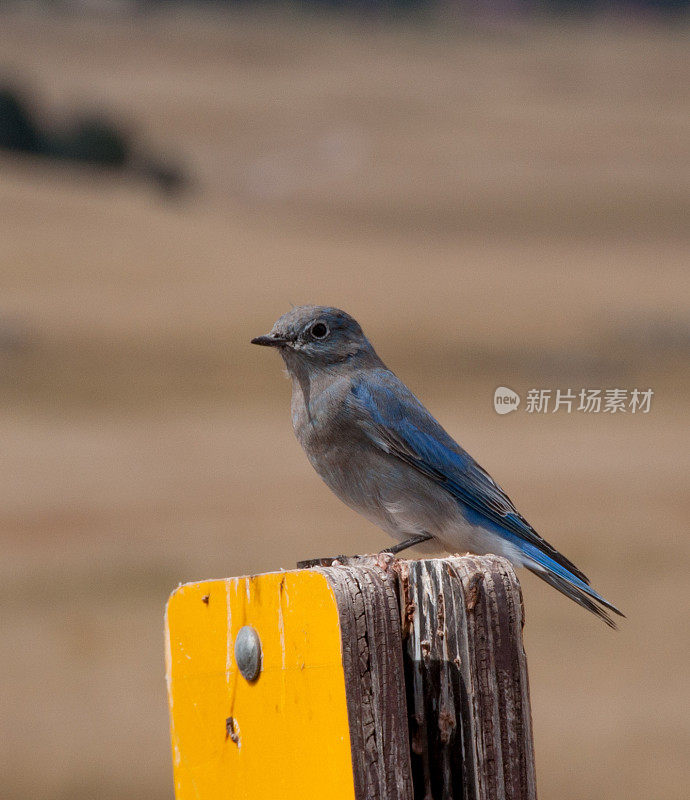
pixel 311 382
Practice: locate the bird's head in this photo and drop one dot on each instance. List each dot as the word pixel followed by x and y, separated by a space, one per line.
pixel 319 336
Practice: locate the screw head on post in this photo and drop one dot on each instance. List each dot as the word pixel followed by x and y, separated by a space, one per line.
pixel 248 653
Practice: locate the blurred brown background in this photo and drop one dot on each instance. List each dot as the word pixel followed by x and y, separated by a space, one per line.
pixel 498 204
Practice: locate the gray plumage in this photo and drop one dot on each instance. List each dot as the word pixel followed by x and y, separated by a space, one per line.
pixel 382 453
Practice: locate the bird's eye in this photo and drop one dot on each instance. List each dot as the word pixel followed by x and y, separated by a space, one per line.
pixel 319 330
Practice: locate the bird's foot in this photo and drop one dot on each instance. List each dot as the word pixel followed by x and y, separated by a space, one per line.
pixel 411 542
pixel 326 561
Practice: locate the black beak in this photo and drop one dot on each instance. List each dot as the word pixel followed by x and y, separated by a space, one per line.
pixel 269 341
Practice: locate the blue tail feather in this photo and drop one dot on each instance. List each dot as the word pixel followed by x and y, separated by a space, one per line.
pixel 544 567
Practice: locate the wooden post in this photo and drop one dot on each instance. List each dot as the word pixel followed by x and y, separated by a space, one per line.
pixel 374 678
pixel 467 685
pixel 378 679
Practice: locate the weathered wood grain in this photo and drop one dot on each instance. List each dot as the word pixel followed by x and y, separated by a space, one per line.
pixel 374 677
pixel 467 684
pixel 460 620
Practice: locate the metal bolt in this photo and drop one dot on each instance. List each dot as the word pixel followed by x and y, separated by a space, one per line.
pixel 248 653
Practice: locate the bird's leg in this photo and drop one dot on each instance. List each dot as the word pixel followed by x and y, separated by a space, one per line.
pixel 411 542
pixel 396 548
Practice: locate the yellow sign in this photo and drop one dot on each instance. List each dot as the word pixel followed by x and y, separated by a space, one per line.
pixel 283 735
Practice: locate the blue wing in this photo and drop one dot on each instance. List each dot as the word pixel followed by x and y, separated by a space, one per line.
pixel 399 424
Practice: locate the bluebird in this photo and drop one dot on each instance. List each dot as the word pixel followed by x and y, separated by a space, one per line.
pixel 382 453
